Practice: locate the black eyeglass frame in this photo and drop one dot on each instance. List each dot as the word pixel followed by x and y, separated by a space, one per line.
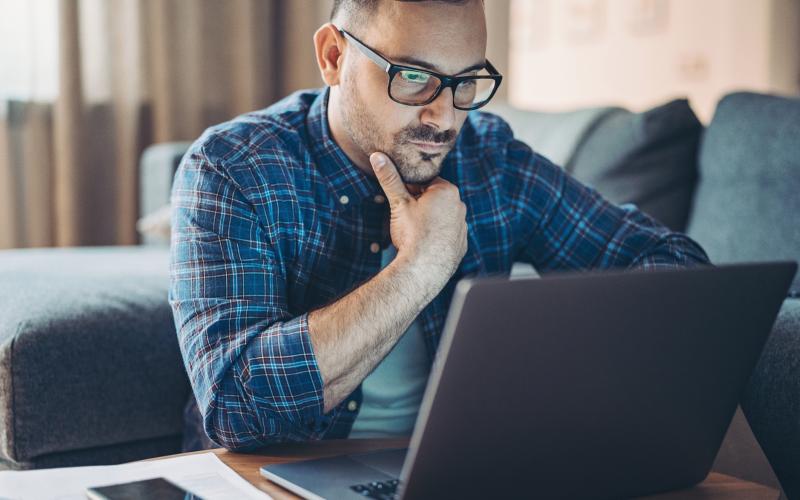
pixel 445 80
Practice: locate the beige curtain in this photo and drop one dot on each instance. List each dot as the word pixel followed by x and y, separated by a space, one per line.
pixel 137 72
pixel 131 73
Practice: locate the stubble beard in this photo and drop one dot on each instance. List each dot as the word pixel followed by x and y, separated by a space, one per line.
pixel 413 165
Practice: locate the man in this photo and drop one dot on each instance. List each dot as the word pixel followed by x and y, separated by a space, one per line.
pixel 316 244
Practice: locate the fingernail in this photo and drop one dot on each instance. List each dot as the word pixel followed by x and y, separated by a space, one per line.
pixel 379 160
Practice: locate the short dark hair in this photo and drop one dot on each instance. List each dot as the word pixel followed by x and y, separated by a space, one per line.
pixel 365 8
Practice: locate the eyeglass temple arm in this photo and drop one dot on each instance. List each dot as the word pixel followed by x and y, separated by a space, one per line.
pixel 376 58
pixel 492 70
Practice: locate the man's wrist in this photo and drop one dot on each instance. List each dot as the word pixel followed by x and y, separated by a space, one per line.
pixel 429 273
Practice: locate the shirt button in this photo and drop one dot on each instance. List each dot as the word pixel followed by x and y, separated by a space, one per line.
pixel 352 405
pixel 344 199
pixel 374 248
pixel 379 198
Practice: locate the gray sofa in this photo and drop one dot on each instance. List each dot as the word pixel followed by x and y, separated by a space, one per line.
pixel 89 363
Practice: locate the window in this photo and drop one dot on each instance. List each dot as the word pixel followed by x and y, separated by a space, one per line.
pixel 28 50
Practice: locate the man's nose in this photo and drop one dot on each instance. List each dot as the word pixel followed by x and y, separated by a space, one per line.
pixel 440 113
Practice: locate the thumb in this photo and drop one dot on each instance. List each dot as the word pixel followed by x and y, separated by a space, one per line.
pixel 389 179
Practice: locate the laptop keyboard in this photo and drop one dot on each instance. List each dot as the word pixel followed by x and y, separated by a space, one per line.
pixel 382 490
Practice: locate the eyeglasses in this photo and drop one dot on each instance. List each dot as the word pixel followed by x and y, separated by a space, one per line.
pixel 417 87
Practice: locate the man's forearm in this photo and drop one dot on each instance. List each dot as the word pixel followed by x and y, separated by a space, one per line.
pixel 352 335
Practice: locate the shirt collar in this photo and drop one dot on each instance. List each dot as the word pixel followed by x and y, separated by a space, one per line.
pixel 349 183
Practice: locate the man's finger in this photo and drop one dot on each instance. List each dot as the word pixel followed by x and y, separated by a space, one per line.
pixel 389 179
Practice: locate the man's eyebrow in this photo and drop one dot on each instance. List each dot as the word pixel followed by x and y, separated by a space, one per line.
pixel 426 65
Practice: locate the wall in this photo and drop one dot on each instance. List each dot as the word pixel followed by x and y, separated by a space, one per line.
pixel 637 53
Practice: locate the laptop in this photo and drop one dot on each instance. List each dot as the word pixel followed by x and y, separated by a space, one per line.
pixel 589 385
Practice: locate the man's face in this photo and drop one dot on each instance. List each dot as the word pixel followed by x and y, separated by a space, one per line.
pixel 446 38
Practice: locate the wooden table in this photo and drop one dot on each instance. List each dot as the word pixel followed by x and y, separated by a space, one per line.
pixel 716 486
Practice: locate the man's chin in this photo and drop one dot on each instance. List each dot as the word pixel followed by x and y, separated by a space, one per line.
pixel 426 167
pixel 418 179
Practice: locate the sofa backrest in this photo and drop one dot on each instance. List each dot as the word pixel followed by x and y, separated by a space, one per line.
pixel 156 169
pixel 554 135
pixel 747 203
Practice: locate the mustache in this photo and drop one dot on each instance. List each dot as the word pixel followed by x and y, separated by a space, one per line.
pixel 429 134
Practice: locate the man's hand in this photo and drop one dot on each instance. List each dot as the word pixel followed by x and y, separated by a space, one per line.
pixel 429 229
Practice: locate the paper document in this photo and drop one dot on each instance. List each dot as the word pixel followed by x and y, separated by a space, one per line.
pixel 203 474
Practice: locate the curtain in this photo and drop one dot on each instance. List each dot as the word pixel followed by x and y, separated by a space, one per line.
pixel 131 73
pixel 136 72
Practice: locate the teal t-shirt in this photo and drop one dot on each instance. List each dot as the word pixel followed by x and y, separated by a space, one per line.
pixel 393 391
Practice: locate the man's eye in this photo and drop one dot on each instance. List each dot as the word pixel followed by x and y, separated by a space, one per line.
pixel 414 76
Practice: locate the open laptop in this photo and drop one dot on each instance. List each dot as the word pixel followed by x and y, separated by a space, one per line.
pixel 593 385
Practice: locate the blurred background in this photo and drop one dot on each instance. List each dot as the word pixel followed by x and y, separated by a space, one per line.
pixel 87 85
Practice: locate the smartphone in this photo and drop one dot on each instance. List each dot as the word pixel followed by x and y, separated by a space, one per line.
pixel 158 488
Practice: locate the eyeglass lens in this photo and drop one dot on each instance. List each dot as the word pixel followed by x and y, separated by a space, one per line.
pixel 415 87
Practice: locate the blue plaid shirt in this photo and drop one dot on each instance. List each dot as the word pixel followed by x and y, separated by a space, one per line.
pixel 272 220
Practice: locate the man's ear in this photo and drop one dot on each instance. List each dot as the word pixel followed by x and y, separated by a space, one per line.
pixel 329 44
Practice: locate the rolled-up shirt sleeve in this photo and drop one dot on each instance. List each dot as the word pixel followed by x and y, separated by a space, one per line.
pixel 571 226
pixel 250 361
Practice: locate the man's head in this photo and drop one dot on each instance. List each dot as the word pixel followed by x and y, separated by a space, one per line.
pixel 445 36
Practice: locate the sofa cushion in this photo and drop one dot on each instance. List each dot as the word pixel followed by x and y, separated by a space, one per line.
pixel 748 197
pixel 88 351
pixel 648 159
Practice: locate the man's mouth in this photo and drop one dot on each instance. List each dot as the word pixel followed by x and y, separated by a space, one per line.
pixel 430 147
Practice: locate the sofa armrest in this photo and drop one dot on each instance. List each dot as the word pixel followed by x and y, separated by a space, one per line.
pixel 89 357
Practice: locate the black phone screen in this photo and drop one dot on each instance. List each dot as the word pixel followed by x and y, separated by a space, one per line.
pixel 158 488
